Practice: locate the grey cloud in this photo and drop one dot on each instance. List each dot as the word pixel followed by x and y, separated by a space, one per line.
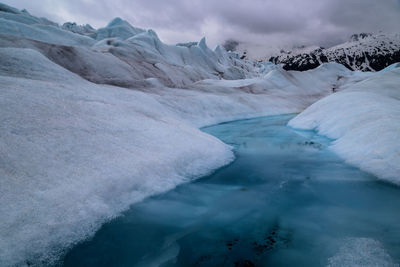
pixel 256 22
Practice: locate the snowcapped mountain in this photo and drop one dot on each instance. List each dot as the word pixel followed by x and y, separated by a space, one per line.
pixel 365 52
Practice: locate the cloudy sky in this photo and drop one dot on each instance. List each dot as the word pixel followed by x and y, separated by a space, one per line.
pixel 260 24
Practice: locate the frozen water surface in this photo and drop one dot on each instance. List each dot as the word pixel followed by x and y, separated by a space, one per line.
pixel 285 201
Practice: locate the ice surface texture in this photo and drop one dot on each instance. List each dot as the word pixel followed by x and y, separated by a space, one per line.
pixel 361 252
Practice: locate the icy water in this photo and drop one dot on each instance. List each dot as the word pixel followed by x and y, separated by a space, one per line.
pixel 285 201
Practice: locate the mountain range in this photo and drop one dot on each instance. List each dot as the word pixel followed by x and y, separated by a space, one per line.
pixel 364 52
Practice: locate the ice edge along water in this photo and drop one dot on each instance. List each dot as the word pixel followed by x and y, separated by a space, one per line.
pixel 364 120
pixel 76 150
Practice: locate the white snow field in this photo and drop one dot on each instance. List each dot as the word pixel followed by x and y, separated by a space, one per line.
pixel 94 122
pixel 364 119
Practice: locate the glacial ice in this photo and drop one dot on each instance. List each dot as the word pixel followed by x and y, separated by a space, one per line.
pixel 74 154
pixel 41 32
pixel 90 126
pixel 364 119
pixel 80 29
pixel 117 28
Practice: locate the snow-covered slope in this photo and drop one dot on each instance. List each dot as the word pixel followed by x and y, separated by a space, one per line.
pixel 363 52
pixel 364 119
pixel 74 154
pixel 77 147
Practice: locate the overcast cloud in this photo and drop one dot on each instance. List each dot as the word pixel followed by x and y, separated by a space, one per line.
pixel 262 24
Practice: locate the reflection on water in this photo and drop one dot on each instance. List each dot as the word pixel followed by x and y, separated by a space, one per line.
pixel 285 201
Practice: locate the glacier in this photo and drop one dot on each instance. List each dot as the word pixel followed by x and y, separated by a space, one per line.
pixel 364 120
pixel 93 121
